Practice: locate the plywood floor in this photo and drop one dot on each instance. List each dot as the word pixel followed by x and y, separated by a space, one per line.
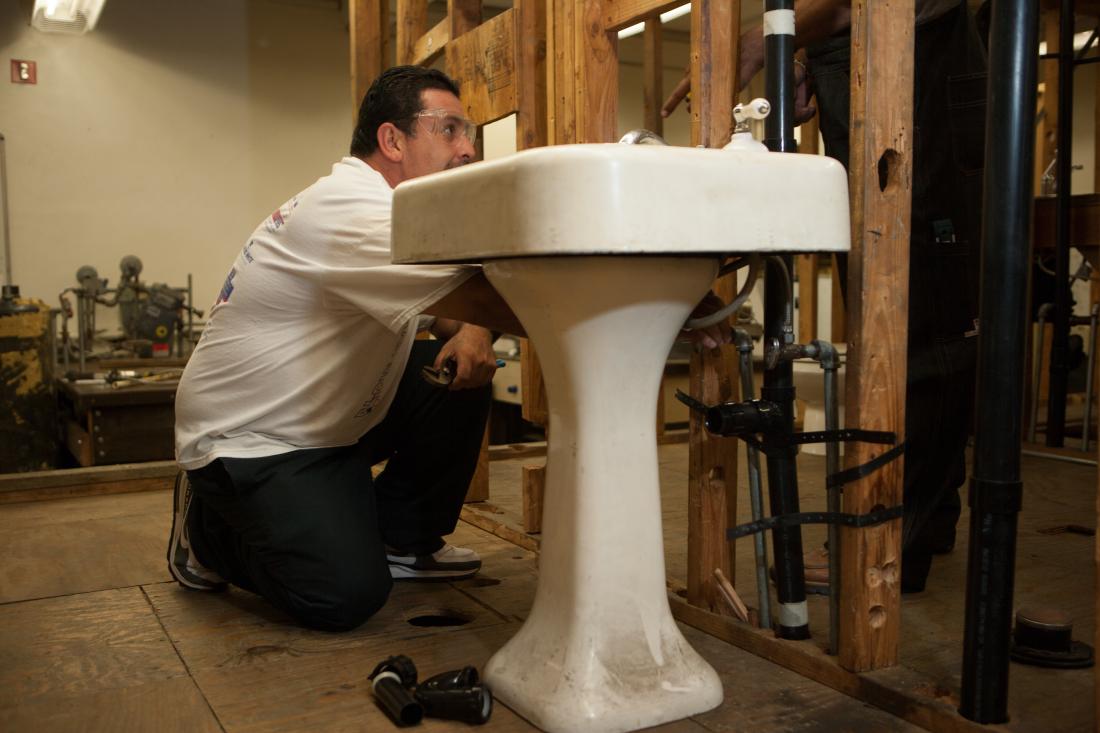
pixel 93 636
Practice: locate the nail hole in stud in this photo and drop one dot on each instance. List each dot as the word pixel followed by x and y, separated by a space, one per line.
pixel 876 617
pixel 874 577
pixel 888 169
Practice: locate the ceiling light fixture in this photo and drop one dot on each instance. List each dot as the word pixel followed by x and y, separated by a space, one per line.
pixel 633 30
pixel 66 16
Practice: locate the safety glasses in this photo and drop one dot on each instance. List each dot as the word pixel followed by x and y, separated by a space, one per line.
pixel 447 125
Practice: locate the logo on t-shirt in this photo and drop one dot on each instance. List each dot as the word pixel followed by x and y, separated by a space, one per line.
pixel 227 287
pixel 279 217
pixel 376 392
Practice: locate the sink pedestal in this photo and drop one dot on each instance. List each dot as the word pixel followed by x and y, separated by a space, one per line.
pixel 600 651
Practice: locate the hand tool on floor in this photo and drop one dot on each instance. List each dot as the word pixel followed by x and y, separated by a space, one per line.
pixel 443 376
pixel 455 695
pixel 391 682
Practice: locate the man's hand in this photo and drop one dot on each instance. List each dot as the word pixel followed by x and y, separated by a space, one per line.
pixel 470 348
pixel 710 337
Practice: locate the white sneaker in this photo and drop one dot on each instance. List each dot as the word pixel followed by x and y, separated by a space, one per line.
pixel 446 563
pixel 182 563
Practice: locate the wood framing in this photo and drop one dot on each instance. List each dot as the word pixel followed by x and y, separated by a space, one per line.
pixel 652 77
pixel 807 265
pixel 712 481
pixel 878 279
pixel 1046 128
pixel 584 73
pixel 484 65
pixel 618 14
pixel 899 691
pixel 368 22
pixel 412 23
pixel 715 44
pixel 712 464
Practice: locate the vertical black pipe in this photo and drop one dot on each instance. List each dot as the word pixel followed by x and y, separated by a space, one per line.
pixel 790 574
pixel 1059 348
pixel 995 487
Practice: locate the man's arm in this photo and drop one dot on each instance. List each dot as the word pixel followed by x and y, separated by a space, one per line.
pixel 477 302
pixel 815 20
pixel 463 321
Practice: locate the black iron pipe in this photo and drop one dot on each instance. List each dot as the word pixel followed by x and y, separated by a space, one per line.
pixel 995 488
pixel 1059 347
pixel 790 573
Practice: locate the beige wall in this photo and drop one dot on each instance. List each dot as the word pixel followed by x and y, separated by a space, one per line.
pixel 168 132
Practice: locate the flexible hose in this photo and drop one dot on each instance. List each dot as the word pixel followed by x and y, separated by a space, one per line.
pixel 742 295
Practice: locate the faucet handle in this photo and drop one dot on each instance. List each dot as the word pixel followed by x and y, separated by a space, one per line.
pixel 757 109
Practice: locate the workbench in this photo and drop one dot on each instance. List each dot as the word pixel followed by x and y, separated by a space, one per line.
pixel 105 425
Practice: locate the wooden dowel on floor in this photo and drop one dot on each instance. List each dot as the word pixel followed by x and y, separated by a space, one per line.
pixel 730 595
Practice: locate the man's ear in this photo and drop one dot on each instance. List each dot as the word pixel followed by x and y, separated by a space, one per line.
pixel 391 142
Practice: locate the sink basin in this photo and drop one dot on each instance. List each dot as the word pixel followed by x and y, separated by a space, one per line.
pixel 623 199
pixel 602 251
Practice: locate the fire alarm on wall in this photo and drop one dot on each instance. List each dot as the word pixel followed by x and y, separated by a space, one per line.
pixel 23 72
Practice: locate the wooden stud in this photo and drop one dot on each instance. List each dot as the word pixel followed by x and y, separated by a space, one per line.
pixel 532 131
pixel 715 36
pixel 428 47
pixel 483 62
pixel 596 99
pixel 534 487
pixel 652 77
pixel 712 471
pixel 532 387
pixel 712 481
pixel 463 16
pixel 899 691
pixel 483 516
pixel 806 266
pixel 559 87
pixel 838 322
pixel 1047 127
pixel 368 21
pixel 531 77
pixel 618 14
pixel 878 276
pixel 412 23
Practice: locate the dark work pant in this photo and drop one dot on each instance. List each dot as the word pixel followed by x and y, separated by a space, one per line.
pixel 307 530
pixel 948 148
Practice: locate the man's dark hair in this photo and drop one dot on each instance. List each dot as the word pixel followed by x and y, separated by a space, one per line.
pixel 394 97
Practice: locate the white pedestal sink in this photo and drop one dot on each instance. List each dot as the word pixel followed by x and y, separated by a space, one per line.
pixel 602 251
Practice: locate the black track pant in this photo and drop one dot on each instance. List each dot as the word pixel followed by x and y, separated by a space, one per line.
pixel 307 529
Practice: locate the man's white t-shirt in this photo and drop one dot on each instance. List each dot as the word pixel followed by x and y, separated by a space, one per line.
pixel 312 329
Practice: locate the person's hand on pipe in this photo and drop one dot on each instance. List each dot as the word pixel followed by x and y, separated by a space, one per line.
pixel 470 355
pixel 815 21
pixel 710 337
pixel 803 92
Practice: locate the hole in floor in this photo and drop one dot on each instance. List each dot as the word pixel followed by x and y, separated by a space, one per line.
pixel 440 618
pixel 481 582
